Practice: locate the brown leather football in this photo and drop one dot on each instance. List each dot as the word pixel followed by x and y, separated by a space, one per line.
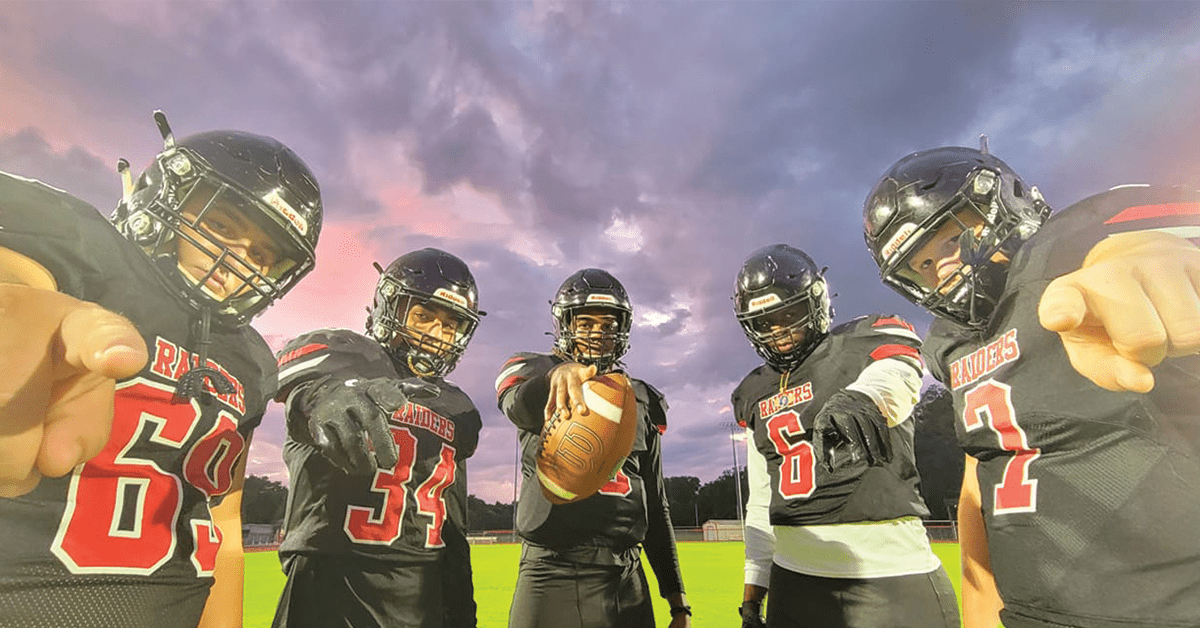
pixel 581 452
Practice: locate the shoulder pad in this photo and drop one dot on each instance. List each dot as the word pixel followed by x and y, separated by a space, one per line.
pixel 656 403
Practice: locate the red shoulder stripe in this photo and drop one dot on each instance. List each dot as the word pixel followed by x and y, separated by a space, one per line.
pixel 302 351
pixel 1142 212
pixel 509 382
pixel 888 351
pixel 894 320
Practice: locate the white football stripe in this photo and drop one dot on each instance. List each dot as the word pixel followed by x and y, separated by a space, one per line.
pixel 553 487
pixel 300 366
pixel 600 405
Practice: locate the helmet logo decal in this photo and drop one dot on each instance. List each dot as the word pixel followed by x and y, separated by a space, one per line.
pixel 897 240
pixel 601 298
pixel 447 295
pixel 763 302
pixel 291 215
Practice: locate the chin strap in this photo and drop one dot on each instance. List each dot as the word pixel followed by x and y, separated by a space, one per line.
pixel 191 384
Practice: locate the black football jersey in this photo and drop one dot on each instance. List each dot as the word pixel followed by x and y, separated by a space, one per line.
pixel 127 538
pixel 399 514
pixel 1091 498
pixel 630 509
pixel 781 410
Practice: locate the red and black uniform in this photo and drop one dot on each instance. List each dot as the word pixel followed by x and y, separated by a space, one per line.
pixel 1091 498
pixel 368 551
pixel 781 410
pixel 844 548
pixel 127 538
pixel 580 564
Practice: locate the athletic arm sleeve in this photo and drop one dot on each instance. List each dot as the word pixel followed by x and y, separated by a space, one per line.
pixel 760 536
pixel 894 384
pixel 660 536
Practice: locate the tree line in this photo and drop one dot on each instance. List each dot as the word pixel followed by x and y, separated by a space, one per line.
pixel 939 461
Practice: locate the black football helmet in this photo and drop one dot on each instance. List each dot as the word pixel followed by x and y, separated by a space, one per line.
pixel 780 291
pixel 924 190
pixel 426 277
pixel 592 288
pixel 257 176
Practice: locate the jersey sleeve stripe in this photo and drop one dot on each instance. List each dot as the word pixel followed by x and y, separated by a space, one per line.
pixel 899 331
pixel 894 320
pixel 290 371
pixel 301 352
pixel 506 374
pixel 509 382
pixel 1142 212
pixel 890 351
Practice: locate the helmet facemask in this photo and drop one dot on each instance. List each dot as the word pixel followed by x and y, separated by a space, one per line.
pixel 603 347
pixel 785 332
pixel 992 215
pixel 392 321
pixel 182 208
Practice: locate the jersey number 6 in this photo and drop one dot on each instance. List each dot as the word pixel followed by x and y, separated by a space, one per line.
pixel 123 508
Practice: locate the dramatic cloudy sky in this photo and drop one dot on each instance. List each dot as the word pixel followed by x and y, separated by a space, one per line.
pixel 661 140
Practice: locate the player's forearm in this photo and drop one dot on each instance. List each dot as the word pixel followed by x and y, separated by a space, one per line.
pixel 224 606
pixel 894 384
pixel 524 403
pixel 980 597
pixel 760 536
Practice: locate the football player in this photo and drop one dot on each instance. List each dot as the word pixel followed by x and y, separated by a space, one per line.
pixel 1068 343
pixel 581 562
pixel 377 448
pixel 217 228
pixel 833 523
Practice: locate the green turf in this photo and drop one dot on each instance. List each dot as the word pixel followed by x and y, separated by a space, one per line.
pixel 712 573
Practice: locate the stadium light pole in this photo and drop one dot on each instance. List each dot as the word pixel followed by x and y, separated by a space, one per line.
pixel 516 475
pixel 737 477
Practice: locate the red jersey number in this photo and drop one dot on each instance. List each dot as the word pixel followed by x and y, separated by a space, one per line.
pixel 122 509
pixel 990 404
pixel 798 468
pixel 383 525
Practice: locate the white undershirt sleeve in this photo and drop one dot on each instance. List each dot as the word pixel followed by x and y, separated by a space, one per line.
pixel 894 384
pixel 759 535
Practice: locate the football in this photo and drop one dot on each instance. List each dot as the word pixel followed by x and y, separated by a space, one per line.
pixel 581 452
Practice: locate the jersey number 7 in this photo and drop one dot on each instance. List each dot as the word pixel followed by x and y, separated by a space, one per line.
pixel 990 404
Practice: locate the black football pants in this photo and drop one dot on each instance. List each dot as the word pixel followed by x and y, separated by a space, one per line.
pixel 587 587
pixel 917 601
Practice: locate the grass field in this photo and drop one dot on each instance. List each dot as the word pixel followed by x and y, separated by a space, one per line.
pixel 712 573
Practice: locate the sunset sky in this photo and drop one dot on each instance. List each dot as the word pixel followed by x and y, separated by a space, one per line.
pixel 662 140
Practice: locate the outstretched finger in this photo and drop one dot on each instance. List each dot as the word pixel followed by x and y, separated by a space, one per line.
pixel 103 342
pixel 1062 306
pixel 78 422
pixel 382 443
pixel 575 388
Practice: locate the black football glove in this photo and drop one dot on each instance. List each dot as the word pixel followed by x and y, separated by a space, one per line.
pixel 347 421
pixel 848 428
pixel 751 613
